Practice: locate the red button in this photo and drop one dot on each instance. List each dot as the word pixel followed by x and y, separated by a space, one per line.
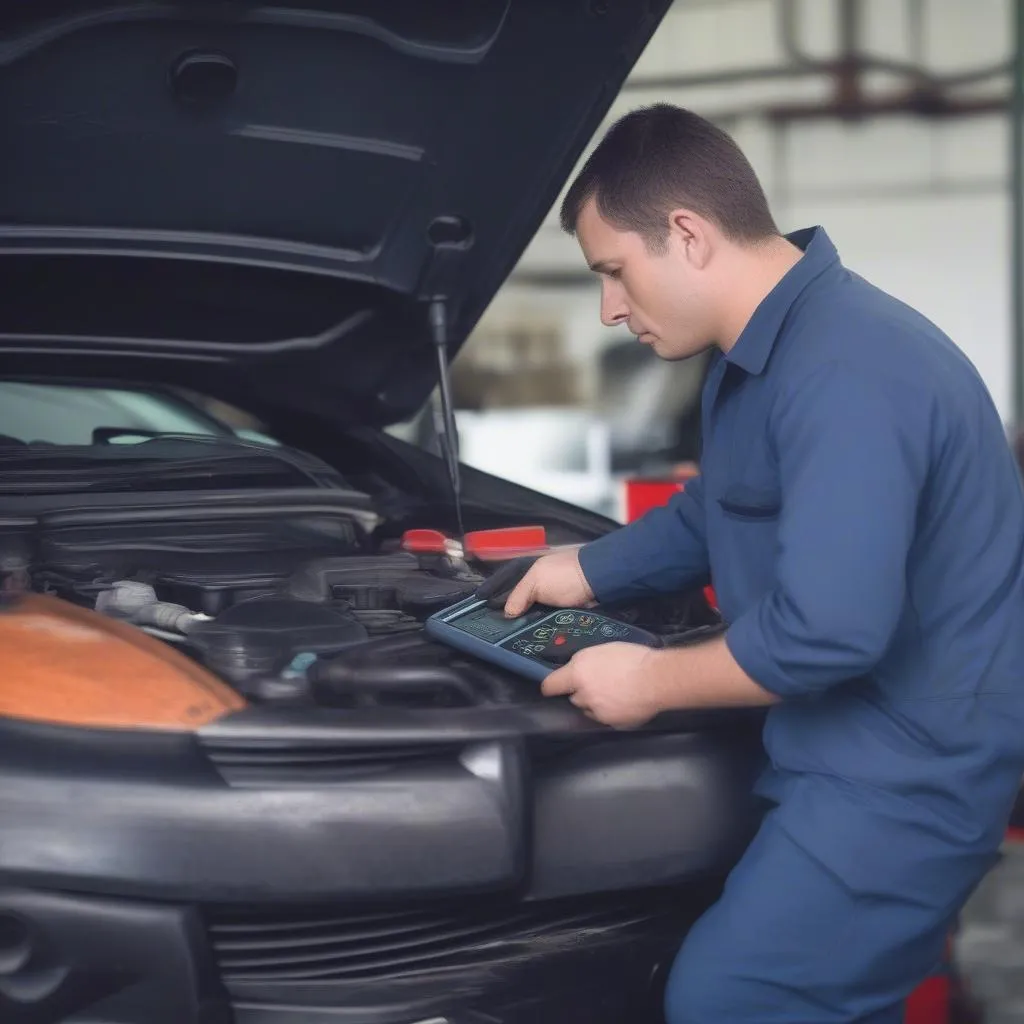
pixel 559 640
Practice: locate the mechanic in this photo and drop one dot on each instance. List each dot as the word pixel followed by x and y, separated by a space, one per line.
pixel 861 516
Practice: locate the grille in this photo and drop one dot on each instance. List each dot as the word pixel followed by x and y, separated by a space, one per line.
pixel 370 946
pixel 254 764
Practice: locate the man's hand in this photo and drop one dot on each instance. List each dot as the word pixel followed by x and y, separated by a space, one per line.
pixel 556 580
pixel 611 683
pixel 626 685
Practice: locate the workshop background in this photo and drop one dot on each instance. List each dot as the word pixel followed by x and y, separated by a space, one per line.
pixel 890 122
pixel 896 124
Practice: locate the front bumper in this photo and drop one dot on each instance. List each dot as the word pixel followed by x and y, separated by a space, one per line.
pixel 380 805
pixel 375 869
pixel 73 959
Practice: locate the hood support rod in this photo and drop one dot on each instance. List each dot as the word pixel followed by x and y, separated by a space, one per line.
pixel 447 432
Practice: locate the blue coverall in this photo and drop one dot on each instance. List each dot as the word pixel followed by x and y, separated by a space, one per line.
pixel 862 518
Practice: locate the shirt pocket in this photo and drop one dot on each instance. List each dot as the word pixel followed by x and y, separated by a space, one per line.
pixel 744 502
pixel 744 549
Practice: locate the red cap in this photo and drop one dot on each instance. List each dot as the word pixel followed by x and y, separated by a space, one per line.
pixel 424 542
pixel 509 542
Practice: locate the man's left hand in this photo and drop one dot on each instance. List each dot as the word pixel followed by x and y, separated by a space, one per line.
pixel 611 683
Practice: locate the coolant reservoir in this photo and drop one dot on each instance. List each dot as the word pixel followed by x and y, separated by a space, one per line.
pixel 66 665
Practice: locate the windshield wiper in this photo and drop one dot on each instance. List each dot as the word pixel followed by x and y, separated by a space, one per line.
pixel 159 455
pixel 140 476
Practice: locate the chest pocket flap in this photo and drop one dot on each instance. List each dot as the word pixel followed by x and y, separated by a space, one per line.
pixel 743 501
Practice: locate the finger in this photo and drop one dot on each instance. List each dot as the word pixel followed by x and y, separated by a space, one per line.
pixel 499 581
pixel 497 587
pixel 521 598
pixel 558 683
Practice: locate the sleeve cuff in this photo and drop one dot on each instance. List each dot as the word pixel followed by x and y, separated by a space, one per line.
pixel 602 564
pixel 747 644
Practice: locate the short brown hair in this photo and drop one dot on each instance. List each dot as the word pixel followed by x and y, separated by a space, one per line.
pixel 661 158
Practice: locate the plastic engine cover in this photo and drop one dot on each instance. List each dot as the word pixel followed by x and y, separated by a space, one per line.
pixel 399 580
pixel 258 638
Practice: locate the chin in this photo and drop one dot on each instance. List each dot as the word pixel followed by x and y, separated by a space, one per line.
pixel 670 353
pixel 673 352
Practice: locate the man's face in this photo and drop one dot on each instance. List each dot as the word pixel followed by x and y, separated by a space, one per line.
pixel 661 297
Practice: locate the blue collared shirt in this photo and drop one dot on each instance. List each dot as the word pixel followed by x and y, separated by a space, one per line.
pixel 861 516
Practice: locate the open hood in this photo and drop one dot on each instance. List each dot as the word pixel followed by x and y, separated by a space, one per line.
pixel 261 200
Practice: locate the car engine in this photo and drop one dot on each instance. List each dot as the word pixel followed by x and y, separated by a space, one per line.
pixel 304 605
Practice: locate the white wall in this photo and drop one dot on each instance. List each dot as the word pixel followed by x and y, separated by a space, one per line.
pixel 919 207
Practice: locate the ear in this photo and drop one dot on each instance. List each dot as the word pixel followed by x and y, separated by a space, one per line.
pixel 692 236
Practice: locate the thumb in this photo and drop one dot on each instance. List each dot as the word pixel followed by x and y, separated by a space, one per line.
pixel 560 682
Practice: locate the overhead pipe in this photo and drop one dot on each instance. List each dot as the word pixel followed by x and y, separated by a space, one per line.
pixel 850 22
pixel 918 104
pixel 792 72
pixel 921 98
pixel 915 22
pixel 849 94
pixel 928 95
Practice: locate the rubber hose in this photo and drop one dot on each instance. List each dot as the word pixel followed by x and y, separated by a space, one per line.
pixel 164 615
pixel 342 677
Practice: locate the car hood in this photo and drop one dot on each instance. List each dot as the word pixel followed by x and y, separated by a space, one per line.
pixel 262 201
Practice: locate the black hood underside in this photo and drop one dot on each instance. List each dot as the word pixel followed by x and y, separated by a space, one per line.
pixel 265 198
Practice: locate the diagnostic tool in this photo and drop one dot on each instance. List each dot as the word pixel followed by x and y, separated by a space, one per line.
pixel 533 645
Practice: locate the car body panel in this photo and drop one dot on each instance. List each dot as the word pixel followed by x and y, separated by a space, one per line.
pixel 270 195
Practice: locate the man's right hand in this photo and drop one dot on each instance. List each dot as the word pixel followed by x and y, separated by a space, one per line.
pixel 556 580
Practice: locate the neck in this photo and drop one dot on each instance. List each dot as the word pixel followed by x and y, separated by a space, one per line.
pixel 753 273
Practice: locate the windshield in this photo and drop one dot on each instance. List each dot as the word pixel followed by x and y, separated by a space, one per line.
pixel 69 415
pixel 53 437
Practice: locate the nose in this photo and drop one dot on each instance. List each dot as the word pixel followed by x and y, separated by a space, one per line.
pixel 614 309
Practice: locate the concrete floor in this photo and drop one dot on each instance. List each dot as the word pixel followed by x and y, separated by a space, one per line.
pixel 990 947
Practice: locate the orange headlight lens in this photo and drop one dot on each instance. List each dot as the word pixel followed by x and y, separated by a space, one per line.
pixel 66 665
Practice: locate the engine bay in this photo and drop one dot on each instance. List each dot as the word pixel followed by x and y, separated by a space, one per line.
pixel 298 602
